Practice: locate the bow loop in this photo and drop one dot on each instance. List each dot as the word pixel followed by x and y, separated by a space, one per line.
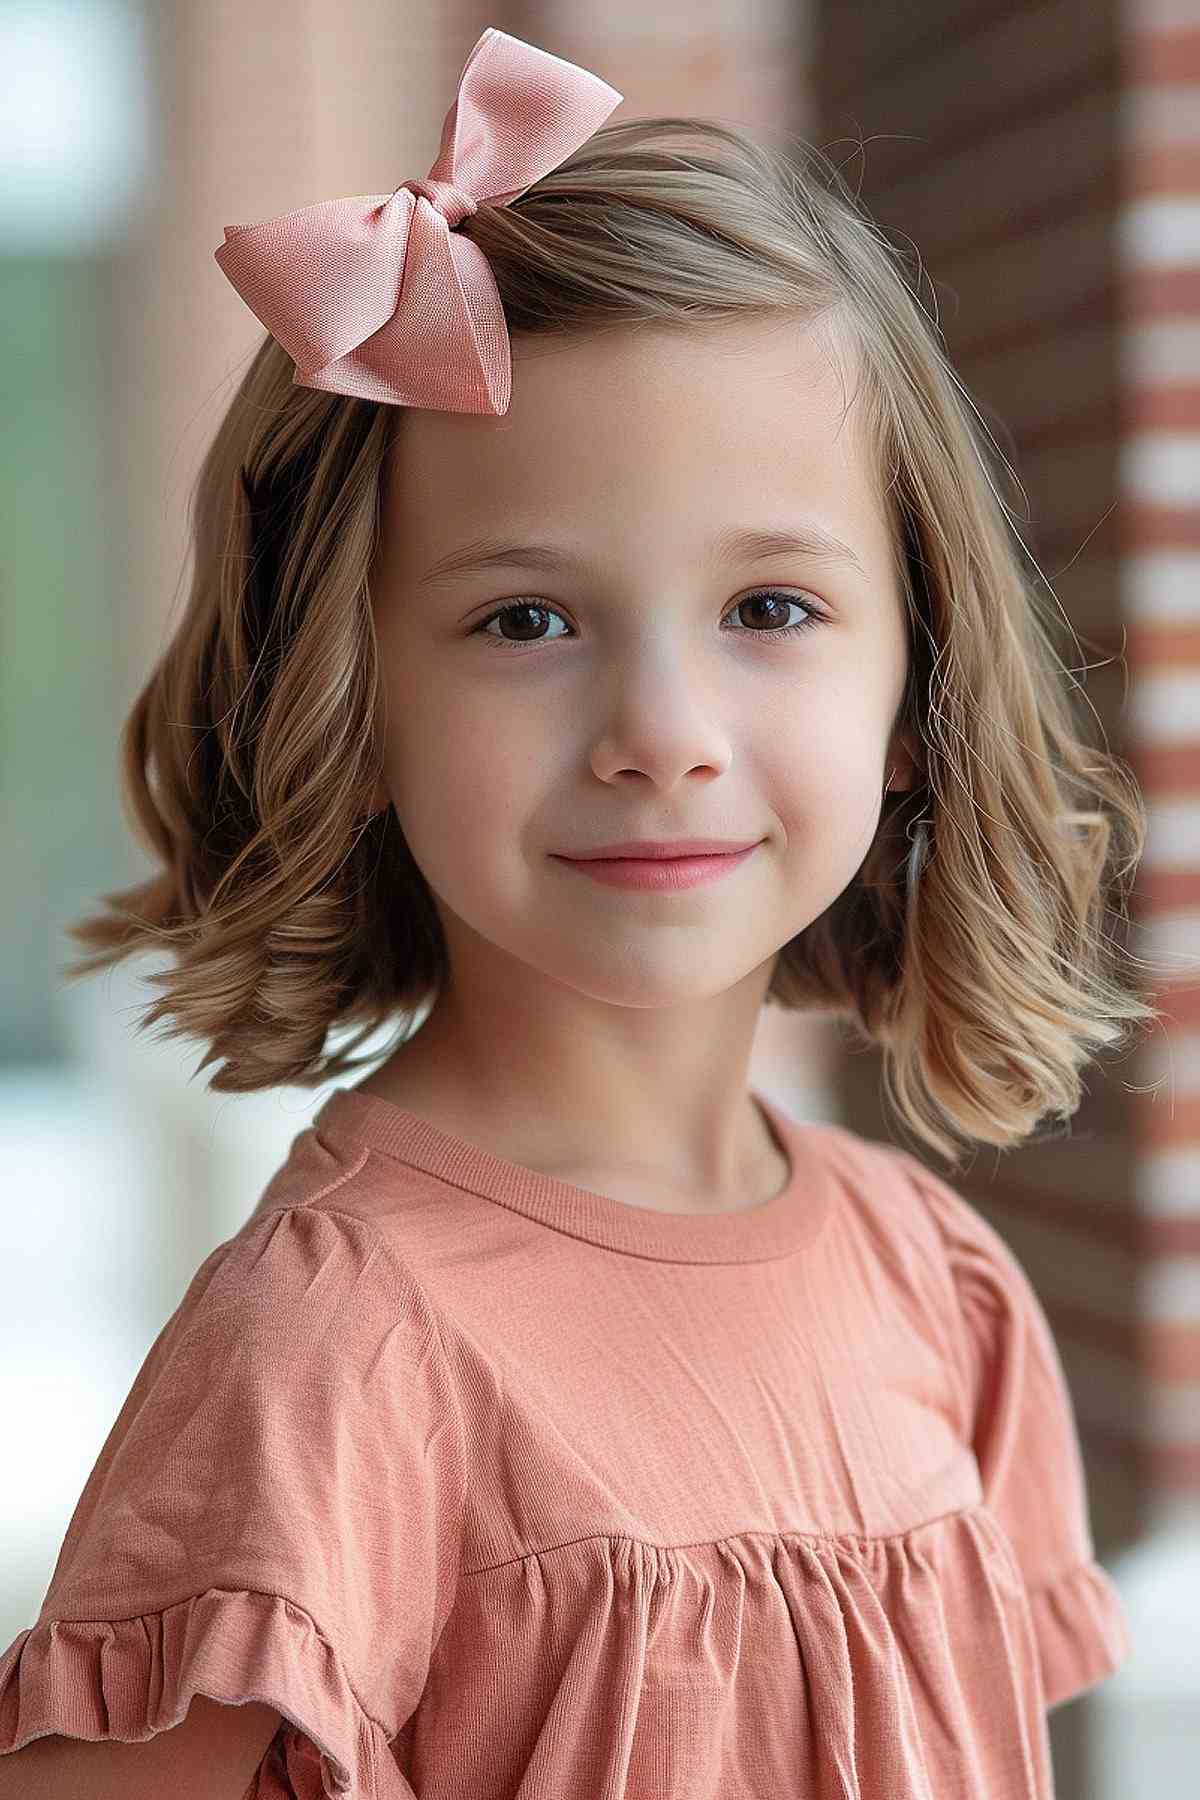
pixel 379 296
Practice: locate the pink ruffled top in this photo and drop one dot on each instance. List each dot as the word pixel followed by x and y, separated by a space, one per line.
pixel 497 1486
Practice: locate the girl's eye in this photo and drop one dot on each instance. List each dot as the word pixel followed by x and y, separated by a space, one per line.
pixel 774 596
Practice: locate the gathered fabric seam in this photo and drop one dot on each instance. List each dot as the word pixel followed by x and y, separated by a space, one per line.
pixel 818 1537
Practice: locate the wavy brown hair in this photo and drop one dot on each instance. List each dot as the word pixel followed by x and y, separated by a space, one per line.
pixel 249 756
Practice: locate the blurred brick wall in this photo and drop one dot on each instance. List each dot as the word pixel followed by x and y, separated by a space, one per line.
pixel 1159 288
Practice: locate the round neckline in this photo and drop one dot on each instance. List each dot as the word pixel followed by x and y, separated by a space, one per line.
pixel 774 1228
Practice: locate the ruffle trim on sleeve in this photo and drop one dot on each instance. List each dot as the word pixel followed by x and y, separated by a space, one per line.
pixel 1081 1632
pixel 131 1678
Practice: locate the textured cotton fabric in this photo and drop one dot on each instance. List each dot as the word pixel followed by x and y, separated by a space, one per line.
pixel 498 1487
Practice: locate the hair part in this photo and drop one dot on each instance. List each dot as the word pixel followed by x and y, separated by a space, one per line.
pixel 250 754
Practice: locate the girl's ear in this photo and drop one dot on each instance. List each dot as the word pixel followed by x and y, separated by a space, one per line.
pixel 910 769
pixel 379 800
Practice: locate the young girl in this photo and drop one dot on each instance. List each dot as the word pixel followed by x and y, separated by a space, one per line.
pixel 568 1419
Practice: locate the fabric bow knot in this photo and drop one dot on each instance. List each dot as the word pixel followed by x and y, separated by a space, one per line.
pixel 378 296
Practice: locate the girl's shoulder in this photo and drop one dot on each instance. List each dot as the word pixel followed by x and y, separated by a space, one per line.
pixel 276 1509
pixel 904 1197
pixel 935 1244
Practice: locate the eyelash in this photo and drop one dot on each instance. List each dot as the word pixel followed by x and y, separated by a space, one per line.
pixel 815 617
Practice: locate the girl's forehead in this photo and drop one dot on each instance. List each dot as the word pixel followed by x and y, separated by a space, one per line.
pixel 636 424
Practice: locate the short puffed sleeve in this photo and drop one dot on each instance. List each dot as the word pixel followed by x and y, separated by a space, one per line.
pixel 1019 1415
pixel 275 1516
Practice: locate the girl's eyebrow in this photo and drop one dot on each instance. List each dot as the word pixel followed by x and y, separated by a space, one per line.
pixel 736 544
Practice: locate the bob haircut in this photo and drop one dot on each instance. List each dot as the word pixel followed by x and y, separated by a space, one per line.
pixel 249 757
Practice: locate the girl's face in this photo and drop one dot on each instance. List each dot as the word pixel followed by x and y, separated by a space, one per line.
pixel 651 694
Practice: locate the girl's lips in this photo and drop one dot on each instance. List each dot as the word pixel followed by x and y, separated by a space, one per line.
pixel 662 849
pixel 658 875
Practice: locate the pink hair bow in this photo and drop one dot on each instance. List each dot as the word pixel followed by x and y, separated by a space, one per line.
pixel 378 296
